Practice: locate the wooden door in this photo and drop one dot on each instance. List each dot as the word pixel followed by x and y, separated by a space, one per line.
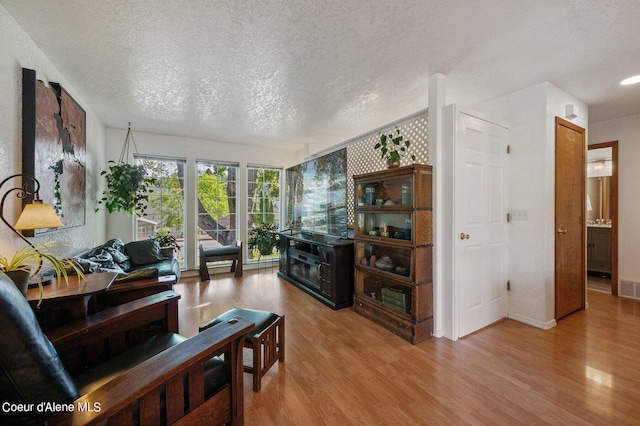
pixel 480 199
pixel 570 224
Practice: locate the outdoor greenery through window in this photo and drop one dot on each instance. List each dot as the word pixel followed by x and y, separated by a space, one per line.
pixel 263 203
pixel 217 214
pixel 165 206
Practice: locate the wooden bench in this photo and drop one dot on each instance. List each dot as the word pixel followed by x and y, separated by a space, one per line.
pixel 216 254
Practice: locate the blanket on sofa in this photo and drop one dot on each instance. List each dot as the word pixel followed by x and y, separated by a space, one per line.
pixel 134 260
pixel 109 257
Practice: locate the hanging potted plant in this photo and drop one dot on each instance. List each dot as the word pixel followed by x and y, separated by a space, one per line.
pixel 127 189
pixel 128 186
pixel 393 147
pixel 26 263
pixel 264 237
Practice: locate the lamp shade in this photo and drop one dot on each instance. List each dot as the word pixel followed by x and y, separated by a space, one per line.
pixel 38 215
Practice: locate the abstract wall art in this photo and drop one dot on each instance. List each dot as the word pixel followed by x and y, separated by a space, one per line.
pixel 54 147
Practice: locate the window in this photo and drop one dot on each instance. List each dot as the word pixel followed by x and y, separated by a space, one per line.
pixel 217 214
pixel 263 199
pixel 165 211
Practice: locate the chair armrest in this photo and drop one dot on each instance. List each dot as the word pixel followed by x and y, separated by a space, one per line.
pixel 114 330
pixel 143 384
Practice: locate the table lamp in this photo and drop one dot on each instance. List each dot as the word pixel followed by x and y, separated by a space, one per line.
pixel 35 215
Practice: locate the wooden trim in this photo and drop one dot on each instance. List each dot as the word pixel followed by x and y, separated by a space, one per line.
pixel 613 207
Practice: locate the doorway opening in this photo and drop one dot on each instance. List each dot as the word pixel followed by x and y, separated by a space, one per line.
pixel 602 217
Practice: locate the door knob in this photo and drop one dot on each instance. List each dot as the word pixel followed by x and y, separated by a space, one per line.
pixel 464 236
pixel 562 231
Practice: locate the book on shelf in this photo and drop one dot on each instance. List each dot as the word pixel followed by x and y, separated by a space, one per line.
pixel 395 293
pixel 396 304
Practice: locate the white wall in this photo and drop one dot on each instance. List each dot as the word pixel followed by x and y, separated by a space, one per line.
pixel 18 51
pixel 531 115
pixel 627 132
pixel 121 226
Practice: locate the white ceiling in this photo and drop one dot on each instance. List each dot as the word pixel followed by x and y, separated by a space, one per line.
pixel 293 72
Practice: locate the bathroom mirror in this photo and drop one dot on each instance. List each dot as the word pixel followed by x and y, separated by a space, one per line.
pixel 599 170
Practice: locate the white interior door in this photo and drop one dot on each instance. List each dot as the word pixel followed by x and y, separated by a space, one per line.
pixel 480 206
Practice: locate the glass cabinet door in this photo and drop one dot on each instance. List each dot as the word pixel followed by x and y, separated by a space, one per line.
pixel 390 293
pixel 388 192
pixel 396 260
pixel 389 225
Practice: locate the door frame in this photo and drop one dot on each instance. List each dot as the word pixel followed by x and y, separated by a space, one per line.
pixel 613 207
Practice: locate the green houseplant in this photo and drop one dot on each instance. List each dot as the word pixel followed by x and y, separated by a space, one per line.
pixel 128 188
pixel 167 242
pixel 26 263
pixel 393 147
pixel 264 237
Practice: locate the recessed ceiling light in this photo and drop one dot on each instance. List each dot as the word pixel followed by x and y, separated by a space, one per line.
pixel 631 80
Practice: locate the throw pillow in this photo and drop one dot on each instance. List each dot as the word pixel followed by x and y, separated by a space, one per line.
pixel 143 252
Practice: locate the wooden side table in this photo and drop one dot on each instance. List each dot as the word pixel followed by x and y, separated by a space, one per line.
pixel 123 292
pixel 63 302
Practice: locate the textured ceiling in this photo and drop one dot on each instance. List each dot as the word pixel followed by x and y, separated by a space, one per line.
pixel 294 72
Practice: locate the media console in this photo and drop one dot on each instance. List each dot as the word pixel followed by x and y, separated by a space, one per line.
pixel 320 264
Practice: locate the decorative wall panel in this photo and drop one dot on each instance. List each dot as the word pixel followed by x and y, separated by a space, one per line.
pixel 362 158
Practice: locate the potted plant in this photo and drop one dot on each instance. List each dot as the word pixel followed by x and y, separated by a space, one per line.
pixel 264 237
pixel 26 263
pixel 128 188
pixel 393 147
pixel 167 242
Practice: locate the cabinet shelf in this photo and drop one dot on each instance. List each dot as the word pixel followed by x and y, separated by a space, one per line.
pixel 387 274
pixel 385 240
pixel 393 242
pixel 377 209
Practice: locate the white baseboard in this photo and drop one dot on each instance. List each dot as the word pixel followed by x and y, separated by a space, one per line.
pixel 535 323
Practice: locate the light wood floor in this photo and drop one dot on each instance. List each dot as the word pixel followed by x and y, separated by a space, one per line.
pixel 342 369
pixel 598 283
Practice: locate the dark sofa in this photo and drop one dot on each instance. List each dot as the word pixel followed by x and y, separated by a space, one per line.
pixel 132 261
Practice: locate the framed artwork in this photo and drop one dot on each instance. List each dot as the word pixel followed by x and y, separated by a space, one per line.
pixel 54 147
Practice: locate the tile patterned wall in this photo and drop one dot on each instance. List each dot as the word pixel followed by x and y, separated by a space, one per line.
pixel 362 158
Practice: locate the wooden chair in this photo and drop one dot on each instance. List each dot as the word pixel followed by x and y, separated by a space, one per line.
pixel 91 365
pixel 266 340
pixel 215 254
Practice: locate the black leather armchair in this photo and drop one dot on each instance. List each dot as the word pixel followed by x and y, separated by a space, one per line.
pixel 125 365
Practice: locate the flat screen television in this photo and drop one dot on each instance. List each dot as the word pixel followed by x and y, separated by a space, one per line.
pixel 316 195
